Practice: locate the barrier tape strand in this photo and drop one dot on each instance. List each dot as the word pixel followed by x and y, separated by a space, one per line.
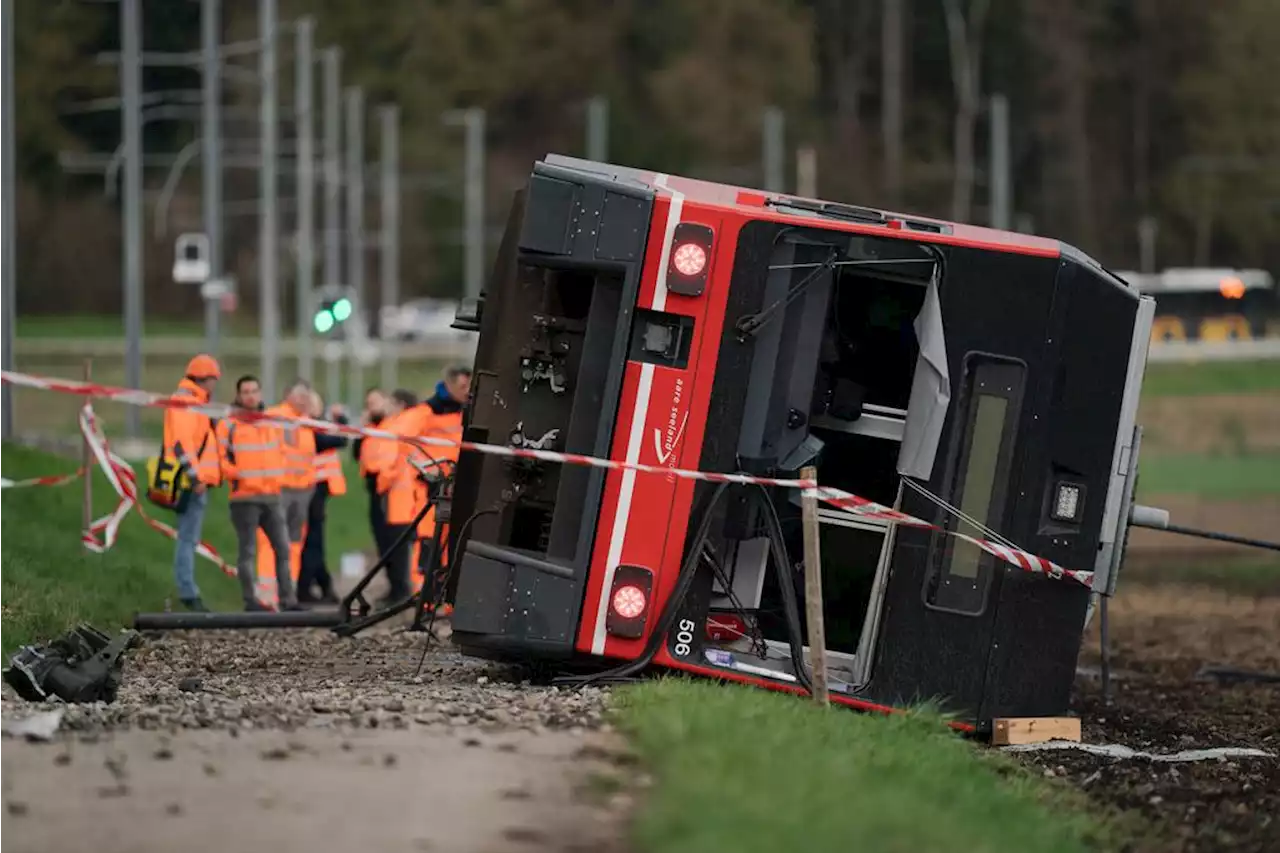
pixel 851 503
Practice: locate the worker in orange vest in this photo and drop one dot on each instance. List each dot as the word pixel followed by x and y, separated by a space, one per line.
pixel 189 439
pixel 447 406
pixel 300 446
pixel 387 458
pixel 375 409
pixel 253 466
pixel 330 482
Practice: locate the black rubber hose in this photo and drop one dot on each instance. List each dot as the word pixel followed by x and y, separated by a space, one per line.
pixel 688 570
pixel 787 586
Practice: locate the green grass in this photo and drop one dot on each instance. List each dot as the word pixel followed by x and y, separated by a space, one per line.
pixel 1210 377
pixel 750 770
pixel 50 582
pixel 1218 476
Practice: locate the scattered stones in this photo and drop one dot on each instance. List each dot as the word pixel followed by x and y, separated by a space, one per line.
pixel 173 809
pixel 16 808
pixel 289 680
pixel 524 834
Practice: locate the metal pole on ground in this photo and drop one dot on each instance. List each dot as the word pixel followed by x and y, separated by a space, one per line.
pixel 303 86
pixel 355 225
pixel 813 590
pixel 10 226
pixel 332 59
pixel 211 158
pixel 268 246
pixel 86 462
pixel 131 103
pixel 389 231
pixel 1001 180
pixel 474 201
pixel 598 129
pixel 807 172
pixel 773 140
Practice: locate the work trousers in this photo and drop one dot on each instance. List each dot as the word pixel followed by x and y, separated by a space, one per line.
pixel 190 522
pixel 295 503
pixel 248 517
pixel 377 515
pixel 432 577
pixel 315 571
pixel 397 567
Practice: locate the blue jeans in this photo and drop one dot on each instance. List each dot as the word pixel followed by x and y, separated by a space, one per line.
pixel 190 521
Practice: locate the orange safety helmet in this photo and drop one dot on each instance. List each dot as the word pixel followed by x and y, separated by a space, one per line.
pixel 204 367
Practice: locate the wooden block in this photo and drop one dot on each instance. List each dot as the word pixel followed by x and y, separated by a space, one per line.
pixel 1017 730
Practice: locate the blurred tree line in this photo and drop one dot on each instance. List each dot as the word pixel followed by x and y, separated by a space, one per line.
pixel 1121 109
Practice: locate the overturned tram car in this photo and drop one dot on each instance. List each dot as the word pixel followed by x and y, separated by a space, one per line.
pixel 980 380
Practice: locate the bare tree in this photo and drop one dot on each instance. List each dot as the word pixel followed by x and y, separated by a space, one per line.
pixel 964 34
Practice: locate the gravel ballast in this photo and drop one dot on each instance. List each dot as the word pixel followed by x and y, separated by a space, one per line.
pixel 246 680
pixel 303 741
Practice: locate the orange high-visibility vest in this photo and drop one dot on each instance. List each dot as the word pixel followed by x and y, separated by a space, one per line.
pixel 378 455
pixel 189 438
pixel 252 460
pixel 299 447
pixel 447 426
pixel 399 480
pixel 328 467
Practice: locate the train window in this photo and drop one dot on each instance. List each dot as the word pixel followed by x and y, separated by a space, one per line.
pixel 977 482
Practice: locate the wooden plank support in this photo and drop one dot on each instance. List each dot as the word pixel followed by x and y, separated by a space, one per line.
pixel 813 592
pixel 1009 731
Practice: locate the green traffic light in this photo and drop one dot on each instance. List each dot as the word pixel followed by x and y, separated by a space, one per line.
pixel 323 321
pixel 342 309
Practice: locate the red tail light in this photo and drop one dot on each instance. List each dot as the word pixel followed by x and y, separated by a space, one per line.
pixel 629 602
pixel 690 259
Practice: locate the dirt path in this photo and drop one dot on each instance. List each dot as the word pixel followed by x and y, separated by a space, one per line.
pixel 303 742
pixel 1162 637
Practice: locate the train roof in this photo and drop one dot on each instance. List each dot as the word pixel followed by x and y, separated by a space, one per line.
pixel 783 207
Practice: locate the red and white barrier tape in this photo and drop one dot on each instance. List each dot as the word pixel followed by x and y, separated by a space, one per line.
pixel 51 480
pixel 101 535
pixel 835 497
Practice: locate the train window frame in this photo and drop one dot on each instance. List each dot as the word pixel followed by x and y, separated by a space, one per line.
pixel 984 375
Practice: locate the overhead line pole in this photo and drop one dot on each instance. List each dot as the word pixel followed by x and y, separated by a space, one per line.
pixel 268 246
pixel 303 86
pixel 211 158
pixel 131 93
pixel 10 225
pixel 355 229
pixel 332 61
pixel 389 231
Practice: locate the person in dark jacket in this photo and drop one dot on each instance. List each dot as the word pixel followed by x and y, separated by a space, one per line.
pixel 315 571
pixel 375 411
